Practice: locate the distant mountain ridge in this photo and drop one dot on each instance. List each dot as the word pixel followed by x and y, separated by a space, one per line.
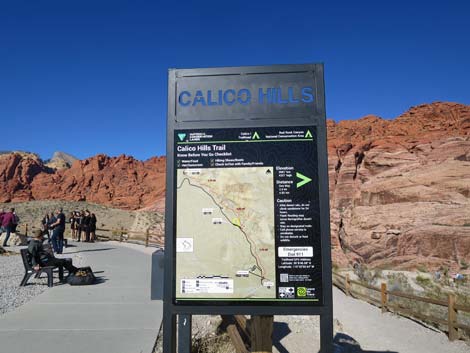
pixel 60 160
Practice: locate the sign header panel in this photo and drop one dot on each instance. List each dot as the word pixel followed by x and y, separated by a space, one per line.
pixel 246 95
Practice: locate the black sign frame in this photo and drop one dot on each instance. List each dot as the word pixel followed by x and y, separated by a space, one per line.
pixel 304 115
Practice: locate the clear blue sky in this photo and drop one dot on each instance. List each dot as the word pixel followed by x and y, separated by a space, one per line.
pixel 88 77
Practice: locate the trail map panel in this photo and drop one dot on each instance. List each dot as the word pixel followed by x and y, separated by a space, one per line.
pixel 247 215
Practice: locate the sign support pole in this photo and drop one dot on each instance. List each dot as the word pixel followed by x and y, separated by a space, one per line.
pixel 169 331
pixel 184 333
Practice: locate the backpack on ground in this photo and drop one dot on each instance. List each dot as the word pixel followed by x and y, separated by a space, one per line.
pixel 83 277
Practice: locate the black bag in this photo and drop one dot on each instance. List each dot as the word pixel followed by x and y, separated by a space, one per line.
pixel 83 277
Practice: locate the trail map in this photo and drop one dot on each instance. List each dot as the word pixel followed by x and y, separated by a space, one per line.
pixel 247 216
pixel 225 239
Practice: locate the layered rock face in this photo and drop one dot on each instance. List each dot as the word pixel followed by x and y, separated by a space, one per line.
pixel 121 182
pixel 17 171
pixel 400 189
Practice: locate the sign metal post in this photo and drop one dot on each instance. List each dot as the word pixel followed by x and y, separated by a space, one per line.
pixel 247 208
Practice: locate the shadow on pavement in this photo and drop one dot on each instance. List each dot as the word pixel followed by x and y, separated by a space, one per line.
pixel 346 344
pixel 89 250
pixel 100 280
pixel 280 330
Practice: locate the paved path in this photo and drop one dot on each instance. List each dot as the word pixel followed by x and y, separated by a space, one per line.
pixel 114 316
pixel 377 332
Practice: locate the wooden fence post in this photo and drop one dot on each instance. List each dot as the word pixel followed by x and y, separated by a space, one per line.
pixel 122 234
pixel 234 334
pixel 452 318
pixel 261 333
pixel 383 291
pixel 147 238
pixel 347 285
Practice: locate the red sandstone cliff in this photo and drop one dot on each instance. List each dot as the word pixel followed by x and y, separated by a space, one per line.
pixel 121 182
pixel 400 189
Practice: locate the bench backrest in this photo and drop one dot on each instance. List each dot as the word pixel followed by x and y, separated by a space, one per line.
pixel 26 259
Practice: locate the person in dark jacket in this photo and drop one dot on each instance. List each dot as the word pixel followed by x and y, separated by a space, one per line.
pixel 92 228
pixel 86 224
pixel 78 226
pixel 58 232
pixel 50 228
pixel 72 224
pixel 82 229
pixel 40 257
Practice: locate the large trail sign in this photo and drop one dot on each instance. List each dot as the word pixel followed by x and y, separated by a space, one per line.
pixel 247 212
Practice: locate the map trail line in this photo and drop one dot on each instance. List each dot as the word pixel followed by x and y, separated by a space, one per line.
pixel 228 219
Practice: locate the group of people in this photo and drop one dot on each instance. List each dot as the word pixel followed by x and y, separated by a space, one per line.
pixel 83 223
pixel 53 225
pixel 8 223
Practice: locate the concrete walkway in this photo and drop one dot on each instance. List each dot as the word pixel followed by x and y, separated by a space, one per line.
pixel 115 315
pixel 377 332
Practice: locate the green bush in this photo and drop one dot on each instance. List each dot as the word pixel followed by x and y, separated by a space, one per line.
pixel 423 281
pixel 422 268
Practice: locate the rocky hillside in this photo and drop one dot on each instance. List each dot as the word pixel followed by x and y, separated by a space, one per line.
pixel 121 182
pixel 400 189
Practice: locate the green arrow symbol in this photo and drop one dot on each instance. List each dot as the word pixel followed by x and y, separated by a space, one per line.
pixel 308 134
pixel 303 179
pixel 181 136
pixel 255 136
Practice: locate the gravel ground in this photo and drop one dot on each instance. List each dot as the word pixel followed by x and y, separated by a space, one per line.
pixel 11 274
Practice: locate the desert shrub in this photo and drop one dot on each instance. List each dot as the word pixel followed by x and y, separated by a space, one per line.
pixel 422 268
pixel 423 281
pixel 463 265
pixel 367 276
pixel 399 282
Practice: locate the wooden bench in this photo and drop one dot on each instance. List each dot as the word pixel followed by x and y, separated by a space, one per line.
pixel 30 271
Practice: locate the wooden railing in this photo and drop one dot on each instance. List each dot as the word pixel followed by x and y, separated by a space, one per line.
pixel 146 238
pixel 346 284
pixel 249 335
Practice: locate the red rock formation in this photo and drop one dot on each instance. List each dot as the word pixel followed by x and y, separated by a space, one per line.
pixel 121 182
pixel 17 171
pixel 399 189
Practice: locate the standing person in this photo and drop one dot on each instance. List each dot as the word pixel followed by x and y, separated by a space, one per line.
pixel 2 213
pixel 50 228
pixel 58 233
pixel 82 225
pixel 78 225
pixel 86 224
pixel 45 226
pixel 16 220
pixel 72 224
pixel 8 220
pixel 92 227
